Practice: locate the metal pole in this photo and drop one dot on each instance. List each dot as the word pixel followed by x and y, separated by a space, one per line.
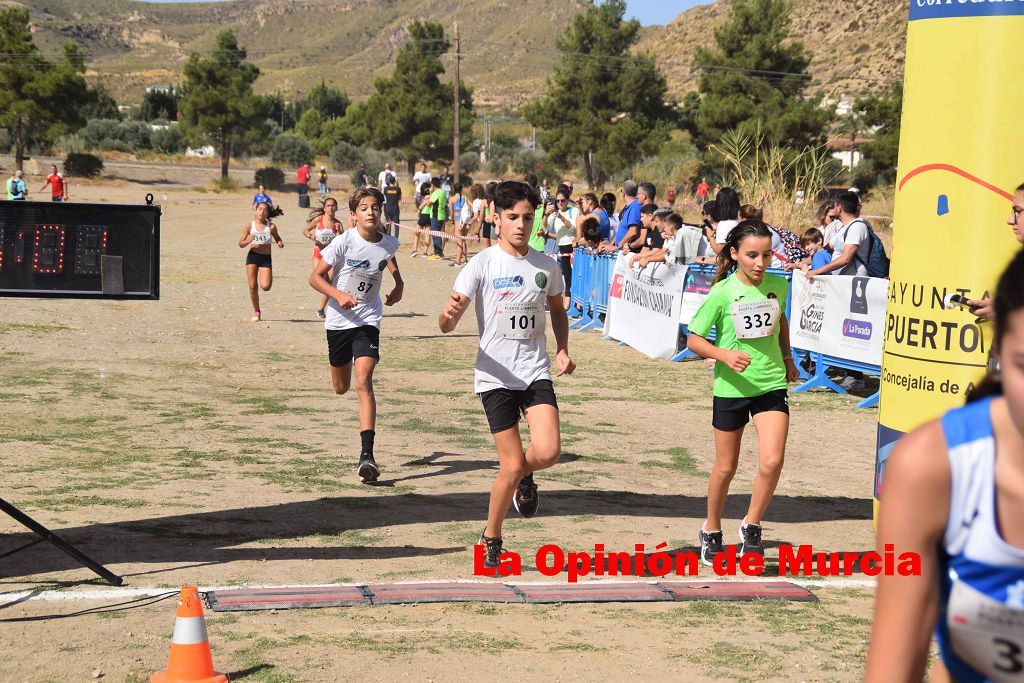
pixel 458 58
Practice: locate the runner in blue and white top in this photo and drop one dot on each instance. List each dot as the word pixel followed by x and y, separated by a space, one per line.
pixel 954 493
pixel 510 285
pixel 356 260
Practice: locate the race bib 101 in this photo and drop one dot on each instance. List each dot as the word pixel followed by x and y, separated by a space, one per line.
pixel 986 634
pixel 520 320
pixel 755 319
pixel 363 284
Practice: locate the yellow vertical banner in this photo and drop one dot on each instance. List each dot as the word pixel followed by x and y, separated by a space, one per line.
pixel 961 155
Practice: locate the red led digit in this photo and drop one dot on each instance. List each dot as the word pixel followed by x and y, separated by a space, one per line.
pixel 48 250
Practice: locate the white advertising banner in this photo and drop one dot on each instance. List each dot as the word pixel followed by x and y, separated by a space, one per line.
pixel 643 307
pixel 839 315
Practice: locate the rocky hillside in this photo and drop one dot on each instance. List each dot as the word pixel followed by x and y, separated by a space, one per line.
pixel 348 43
pixel 298 43
pixel 856 51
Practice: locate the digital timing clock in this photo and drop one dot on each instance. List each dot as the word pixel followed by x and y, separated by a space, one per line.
pixel 108 251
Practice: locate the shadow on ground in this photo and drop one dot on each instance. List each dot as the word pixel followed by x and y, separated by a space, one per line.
pixel 203 538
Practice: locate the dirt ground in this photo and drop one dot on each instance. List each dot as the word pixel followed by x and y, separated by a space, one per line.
pixel 179 443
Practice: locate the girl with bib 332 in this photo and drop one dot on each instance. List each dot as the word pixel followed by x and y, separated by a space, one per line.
pixel 754 364
pixel 954 494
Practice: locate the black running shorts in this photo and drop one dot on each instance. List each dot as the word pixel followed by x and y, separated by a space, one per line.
pixel 504 407
pixel 485 230
pixel 730 414
pixel 423 221
pixel 355 342
pixel 257 259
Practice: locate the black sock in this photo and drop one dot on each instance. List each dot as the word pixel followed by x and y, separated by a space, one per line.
pixel 367 438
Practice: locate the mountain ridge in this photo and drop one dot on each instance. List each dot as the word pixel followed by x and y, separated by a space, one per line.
pixel 130 45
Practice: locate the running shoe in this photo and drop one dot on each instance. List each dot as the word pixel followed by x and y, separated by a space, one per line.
pixel 368 470
pixel 492 550
pixel 711 543
pixel 750 537
pixel 433 257
pixel 255 317
pixel 320 313
pixel 526 499
pixel 413 255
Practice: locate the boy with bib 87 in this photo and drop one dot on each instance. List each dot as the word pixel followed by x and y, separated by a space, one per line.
pixel 358 258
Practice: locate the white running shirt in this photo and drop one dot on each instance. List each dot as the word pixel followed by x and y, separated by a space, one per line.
pixel 512 353
pixel 358 270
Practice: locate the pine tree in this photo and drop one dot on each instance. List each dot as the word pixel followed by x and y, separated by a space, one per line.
pixel 882 113
pixel 218 105
pixel 413 110
pixel 608 111
pixel 756 79
pixel 39 99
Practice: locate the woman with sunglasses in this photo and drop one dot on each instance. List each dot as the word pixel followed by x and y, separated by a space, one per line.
pixel 561 227
pixel 983 307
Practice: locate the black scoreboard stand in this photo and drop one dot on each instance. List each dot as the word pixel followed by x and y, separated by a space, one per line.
pixel 77 251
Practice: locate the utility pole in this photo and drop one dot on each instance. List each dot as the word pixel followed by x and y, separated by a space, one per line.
pixel 458 58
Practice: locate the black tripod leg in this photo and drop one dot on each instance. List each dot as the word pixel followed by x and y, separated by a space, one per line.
pixel 59 542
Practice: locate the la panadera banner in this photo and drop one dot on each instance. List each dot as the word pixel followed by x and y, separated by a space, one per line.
pixel 961 155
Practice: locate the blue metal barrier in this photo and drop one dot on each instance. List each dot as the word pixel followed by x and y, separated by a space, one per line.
pixel 582 264
pixel 820 379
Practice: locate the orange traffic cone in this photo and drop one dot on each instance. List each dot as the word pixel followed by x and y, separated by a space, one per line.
pixel 190 659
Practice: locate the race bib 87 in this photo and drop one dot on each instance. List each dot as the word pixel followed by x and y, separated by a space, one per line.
pixel 755 319
pixel 520 320
pixel 363 284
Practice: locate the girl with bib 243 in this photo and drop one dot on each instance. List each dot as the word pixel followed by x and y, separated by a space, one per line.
pixel 754 364
pixel 258 236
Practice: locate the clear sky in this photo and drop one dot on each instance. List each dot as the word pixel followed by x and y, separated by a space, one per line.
pixel 659 11
pixel 647 11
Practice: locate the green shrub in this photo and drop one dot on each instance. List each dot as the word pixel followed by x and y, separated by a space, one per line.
pixel 469 162
pixel 168 140
pixel 291 150
pixel 228 184
pixel 533 161
pixel 270 177
pixel 83 165
pixel 71 143
pixel 345 155
pixel 117 135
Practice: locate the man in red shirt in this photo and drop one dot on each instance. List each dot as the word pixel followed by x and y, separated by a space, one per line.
pixel 302 176
pixel 58 185
pixel 702 191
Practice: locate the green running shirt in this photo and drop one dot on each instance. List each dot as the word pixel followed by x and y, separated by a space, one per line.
pixel 730 302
